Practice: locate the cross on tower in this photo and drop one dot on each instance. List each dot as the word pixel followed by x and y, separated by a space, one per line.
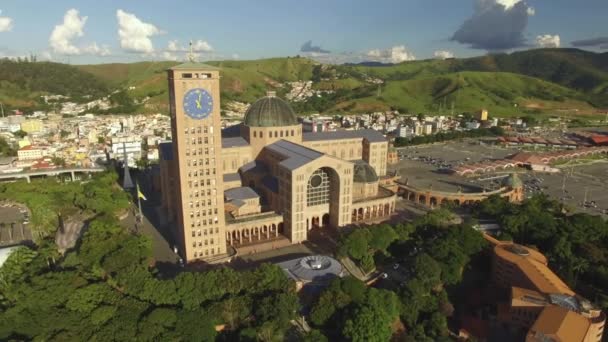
pixel 191 53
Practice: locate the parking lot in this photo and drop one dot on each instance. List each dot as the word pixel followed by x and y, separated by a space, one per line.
pixel 424 167
pixel 427 166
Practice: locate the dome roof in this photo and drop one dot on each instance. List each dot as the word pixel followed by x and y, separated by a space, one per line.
pixel 513 182
pixel 364 173
pixel 270 111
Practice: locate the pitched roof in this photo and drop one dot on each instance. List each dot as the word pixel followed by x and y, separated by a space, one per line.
pixel 194 66
pixel 241 193
pixel 560 324
pixel 234 142
pixel 295 155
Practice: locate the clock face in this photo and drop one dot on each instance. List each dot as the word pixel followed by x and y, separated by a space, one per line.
pixel 198 103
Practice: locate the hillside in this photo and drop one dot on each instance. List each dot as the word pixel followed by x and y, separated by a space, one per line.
pixel 23 82
pixel 534 81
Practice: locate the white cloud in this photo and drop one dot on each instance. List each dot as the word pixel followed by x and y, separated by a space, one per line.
pixel 235 56
pixel 548 41
pixel 6 23
pixel 443 54
pixel 396 54
pixel 201 46
pixel 169 56
pixel 63 34
pixel 173 46
pixel 197 46
pixel 95 49
pixel 509 4
pixel 531 11
pixel 134 34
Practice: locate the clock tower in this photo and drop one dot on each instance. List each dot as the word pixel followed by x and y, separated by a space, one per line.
pixel 194 100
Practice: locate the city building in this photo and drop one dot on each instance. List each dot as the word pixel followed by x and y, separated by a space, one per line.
pixel 264 179
pixel 30 153
pixel 540 302
pixel 129 145
pixel 32 126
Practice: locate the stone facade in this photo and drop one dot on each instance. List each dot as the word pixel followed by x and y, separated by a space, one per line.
pixel 279 182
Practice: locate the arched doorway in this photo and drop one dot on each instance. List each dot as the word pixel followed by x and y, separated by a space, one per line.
pixel 422 199
pixel 325 220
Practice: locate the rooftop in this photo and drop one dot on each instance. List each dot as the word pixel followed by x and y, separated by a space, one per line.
pixel 295 155
pixel 234 142
pixel 270 111
pixel 368 134
pixel 314 268
pixel 242 193
pixel 194 66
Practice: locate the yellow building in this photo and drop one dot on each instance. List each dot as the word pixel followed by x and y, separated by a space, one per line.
pixel 540 302
pixel 32 126
pixel 263 180
pixel 482 115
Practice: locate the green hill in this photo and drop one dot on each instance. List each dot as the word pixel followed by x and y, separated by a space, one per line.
pixel 23 82
pixel 533 81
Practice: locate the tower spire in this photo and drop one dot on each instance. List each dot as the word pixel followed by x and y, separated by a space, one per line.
pixel 127 182
pixel 191 53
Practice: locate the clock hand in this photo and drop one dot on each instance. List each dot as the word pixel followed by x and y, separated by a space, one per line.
pixel 198 104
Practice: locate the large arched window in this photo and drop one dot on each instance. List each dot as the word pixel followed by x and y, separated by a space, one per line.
pixel 318 188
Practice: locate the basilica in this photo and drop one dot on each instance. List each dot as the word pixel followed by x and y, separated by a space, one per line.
pixel 264 179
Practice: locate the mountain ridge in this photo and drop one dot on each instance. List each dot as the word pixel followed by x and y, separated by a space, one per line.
pixel 531 81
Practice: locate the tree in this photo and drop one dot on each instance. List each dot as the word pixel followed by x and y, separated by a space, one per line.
pixel 368 324
pixel 235 310
pixel 281 307
pixel 20 133
pixel 382 237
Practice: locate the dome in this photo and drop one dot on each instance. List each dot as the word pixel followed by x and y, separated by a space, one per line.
pixel 364 173
pixel 270 111
pixel 513 182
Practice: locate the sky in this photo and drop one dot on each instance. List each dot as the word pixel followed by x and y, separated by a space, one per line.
pixel 334 31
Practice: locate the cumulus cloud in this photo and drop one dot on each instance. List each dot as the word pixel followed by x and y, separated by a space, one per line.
pixel 443 54
pixel 63 34
pixel 548 41
pixel 134 34
pixel 495 25
pixel 395 54
pixel 599 42
pixel 174 47
pixel 95 49
pixel 197 46
pixel 235 56
pixel 308 47
pixel 6 23
pixel 170 56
